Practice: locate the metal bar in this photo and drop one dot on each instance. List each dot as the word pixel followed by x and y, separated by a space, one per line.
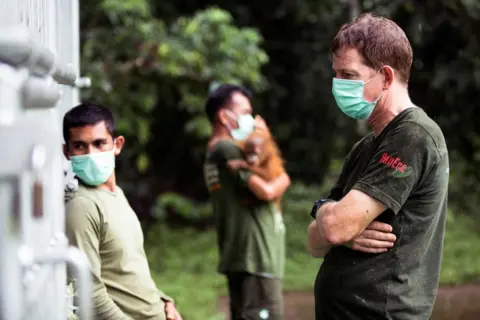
pixel 77 260
pixel 36 37
pixel 18 49
pixel 10 289
pixel 38 93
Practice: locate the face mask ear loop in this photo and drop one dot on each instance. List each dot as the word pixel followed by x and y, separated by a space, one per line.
pixel 373 76
pixel 230 115
pixel 114 145
pixel 383 90
pixel 379 97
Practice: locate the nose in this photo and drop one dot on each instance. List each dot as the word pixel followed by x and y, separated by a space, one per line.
pixel 91 149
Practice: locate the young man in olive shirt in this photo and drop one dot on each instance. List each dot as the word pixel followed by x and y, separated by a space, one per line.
pixel 100 222
pixel 250 231
pixel 397 175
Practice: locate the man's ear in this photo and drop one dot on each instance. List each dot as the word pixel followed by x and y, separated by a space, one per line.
pixel 389 75
pixel 119 142
pixel 222 117
pixel 65 151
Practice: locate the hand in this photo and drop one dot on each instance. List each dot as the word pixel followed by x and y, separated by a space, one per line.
pixel 171 311
pixel 237 164
pixel 262 125
pixel 376 238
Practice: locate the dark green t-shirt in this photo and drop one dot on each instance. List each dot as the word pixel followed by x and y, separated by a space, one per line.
pixel 406 167
pixel 250 233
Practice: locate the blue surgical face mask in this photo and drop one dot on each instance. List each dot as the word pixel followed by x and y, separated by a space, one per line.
pixel 246 125
pixel 349 97
pixel 94 169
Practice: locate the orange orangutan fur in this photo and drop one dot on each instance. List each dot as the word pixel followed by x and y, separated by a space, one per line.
pixel 271 164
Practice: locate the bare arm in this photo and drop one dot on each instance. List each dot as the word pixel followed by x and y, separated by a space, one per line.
pixel 83 231
pixel 316 247
pixel 269 191
pixel 341 222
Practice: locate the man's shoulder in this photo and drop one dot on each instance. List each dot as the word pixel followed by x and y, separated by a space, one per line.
pixel 420 128
pixel 360 144
pixel 76 192
pixel 224 145
pixel 365 140
pixel 223 150
pixel 80 201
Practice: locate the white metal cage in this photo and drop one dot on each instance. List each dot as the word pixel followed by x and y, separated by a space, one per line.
pixel 39 64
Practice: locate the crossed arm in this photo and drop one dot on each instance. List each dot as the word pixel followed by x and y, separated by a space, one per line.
pixel 350 222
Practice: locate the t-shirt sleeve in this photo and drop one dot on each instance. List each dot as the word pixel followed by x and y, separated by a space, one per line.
pixel 399 163
pixel 230 151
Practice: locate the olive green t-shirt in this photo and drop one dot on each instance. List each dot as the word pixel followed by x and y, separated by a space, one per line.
pixel 250 233
pixel 406 168
pixel 103 225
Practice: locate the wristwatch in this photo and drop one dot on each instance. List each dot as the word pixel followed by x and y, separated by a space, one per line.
pixel 317 206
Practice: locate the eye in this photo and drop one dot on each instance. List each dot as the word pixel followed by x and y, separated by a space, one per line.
pixel 350 76
pixel 77 146
pixel 99 144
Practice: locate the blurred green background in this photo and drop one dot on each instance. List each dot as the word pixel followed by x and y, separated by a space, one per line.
pixel 154 61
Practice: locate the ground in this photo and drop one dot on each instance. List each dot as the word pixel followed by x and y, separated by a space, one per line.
pixel 453 303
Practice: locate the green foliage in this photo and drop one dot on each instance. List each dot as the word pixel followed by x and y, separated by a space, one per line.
pixel 131 55
pixel 184 261
pixel 208 47
pixel 154 63
pixel 180 205
pixel 461 253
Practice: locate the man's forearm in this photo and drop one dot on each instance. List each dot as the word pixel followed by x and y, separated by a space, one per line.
pixel 317 246
pixel 280 185
pixel 330 231
pixel 318 241
pixel 268 191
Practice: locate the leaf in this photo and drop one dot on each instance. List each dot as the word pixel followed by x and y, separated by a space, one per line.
pixel 142 162
pixel 143 132
pixel 199 126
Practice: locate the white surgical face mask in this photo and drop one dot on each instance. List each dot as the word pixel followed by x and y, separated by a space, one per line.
pixel 349 97
pixel 246 125
pixel 94 169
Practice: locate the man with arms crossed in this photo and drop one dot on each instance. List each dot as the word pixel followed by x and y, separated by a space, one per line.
pixel 397 175
pixel 100 221
pixel 250 231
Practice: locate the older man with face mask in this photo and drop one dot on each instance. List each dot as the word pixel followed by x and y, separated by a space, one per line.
pixel 251 235
pixel 381 228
